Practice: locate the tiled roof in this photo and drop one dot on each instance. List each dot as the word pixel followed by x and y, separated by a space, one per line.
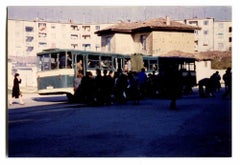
pixel 154 24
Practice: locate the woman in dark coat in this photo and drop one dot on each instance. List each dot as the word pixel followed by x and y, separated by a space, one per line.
pixel 16 90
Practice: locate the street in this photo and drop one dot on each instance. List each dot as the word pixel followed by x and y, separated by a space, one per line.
pixel 48 126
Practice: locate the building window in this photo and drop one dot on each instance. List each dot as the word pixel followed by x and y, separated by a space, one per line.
pixel 42 44
pixel 205 23
pixel 29 38
pixel 108 43
pixel 86 46
pixel 220 46
pixel 74 36
pixel 143 42
pixel 29 49
pixel 74 45
pixel 220 35
pixel 74 27
pixel 29 29
pixel 97 27
pixel 42 35
pixel 194 23
pixel 230 30
pixel 53 26
pixel 196 42
pixel 86 36
pixel 230 39
pixel 205 32
pixel 42 27
pixel 86 28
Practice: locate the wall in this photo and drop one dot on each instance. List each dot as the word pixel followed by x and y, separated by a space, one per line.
pixel 164 42
pixel 123 43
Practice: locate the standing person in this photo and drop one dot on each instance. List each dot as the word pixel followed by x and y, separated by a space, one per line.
pixel 99 87
pixel 77 80
pixel 142 78
pixel 227 77
pixel 173 84
pixel 121 86
pixel 16 90
pixel 77 83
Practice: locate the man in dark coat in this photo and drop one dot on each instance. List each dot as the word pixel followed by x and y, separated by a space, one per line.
pixel 173 84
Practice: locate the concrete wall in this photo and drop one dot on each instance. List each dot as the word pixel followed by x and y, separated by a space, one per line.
pixel 123 43
pixel 164 42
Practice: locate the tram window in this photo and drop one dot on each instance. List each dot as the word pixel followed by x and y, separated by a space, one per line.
pixel 93 62
pixel 106 62
pixel 153 65
pixel 118 62
pixel 54 62
pixel 65 60
pixel 191 67
pixel 46 62
pixel 145 64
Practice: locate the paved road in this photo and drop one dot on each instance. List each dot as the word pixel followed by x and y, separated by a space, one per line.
pixel 50 127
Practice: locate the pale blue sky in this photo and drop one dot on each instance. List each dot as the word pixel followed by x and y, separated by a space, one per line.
pixel 109 14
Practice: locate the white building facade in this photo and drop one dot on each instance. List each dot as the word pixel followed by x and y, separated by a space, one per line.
pixel 213 36
pixel 26 38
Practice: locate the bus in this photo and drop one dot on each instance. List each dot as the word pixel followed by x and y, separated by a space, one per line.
pixel 57 68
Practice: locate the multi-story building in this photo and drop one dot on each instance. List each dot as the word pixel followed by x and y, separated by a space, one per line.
pixel 26 38
pixel 223 35
pixel 213 35
pixel 152 37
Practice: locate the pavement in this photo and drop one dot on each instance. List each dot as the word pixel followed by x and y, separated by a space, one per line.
pixel 198 128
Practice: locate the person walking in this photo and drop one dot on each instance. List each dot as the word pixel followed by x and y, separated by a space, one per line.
pixel 16 93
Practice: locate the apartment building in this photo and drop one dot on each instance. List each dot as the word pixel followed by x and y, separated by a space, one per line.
pixel 213 35
pixel 223 35
pixel 152 37
pixel 26 38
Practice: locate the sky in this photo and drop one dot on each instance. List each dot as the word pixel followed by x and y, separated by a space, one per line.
pixel 112 14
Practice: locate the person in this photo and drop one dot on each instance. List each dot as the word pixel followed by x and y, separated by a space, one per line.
pixel 215 81
pixel 79 66
pixel 204 87
pixel 133 88
pixel 227 77
pixel 63 60
pixel 142 78
pixel 77 80
pixel 16 93
pixel 173 84
pixel 121 83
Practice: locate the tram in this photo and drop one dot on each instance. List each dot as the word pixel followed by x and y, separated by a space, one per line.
pixel 57 68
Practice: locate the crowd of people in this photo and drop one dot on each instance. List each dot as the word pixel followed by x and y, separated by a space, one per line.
pixel 209 86
pixel 119 87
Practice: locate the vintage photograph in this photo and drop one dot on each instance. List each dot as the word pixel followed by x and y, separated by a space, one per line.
pixel 119 81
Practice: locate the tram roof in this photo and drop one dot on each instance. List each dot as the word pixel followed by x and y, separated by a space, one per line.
pixel 57 50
